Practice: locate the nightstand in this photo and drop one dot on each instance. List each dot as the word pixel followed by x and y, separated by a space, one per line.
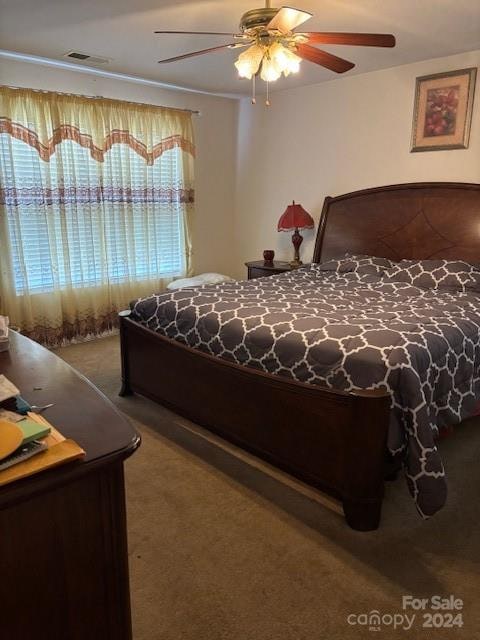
pixel 259 268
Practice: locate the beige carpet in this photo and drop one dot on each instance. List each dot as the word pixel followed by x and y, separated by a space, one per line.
pixel 220 550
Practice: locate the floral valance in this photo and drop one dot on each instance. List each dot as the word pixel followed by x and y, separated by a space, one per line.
pixel 43 119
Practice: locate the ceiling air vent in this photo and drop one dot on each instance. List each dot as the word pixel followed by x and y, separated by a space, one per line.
pixel 78 56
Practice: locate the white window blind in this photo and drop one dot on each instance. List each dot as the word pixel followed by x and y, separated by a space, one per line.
pixel 76 222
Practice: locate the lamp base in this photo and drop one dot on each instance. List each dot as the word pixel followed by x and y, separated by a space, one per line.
pixel 295 263
pixel 296 241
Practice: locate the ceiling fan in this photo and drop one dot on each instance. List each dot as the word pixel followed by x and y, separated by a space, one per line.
pixel 275 48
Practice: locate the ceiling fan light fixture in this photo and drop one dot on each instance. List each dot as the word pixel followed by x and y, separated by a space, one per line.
pixel 275 48
pixel 249 61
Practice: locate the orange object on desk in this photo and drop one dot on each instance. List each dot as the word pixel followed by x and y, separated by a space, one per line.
pixel 60 450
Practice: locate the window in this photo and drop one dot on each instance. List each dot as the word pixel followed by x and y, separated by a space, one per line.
pixel 76 222
pixel 96 199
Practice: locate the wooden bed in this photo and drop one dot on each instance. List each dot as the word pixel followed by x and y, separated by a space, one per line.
pixel 334 441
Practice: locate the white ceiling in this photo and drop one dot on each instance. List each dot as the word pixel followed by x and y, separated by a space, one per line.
pixel 123 31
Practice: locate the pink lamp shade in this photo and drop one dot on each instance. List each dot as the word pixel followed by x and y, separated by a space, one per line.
pixel 295 217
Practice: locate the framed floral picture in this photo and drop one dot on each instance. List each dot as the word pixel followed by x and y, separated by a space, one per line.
pixel 443 110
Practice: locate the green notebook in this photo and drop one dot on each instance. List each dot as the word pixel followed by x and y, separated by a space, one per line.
pixel 32 430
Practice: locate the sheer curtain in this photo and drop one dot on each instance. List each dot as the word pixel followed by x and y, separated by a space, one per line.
pixel 96 198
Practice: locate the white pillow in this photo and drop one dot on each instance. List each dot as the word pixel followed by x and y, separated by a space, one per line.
pixel 198 281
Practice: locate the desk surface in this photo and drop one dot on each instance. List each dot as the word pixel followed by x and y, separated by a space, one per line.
pixel 80 412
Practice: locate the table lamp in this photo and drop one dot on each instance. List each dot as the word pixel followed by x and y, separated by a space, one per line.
pixel 295 217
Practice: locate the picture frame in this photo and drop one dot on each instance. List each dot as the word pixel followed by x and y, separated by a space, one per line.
pixel 442 111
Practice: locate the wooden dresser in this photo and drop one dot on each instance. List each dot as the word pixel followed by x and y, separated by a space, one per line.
pixel 63 540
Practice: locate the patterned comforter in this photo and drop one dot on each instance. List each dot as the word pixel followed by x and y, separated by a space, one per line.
pixel 347 332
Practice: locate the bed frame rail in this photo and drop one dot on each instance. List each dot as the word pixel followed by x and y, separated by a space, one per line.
pixel 332 440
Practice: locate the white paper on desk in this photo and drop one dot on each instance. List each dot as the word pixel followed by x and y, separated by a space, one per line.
pixel 10 416
pixel 7 389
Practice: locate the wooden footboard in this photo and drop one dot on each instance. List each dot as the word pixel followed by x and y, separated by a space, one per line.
pixel 332 440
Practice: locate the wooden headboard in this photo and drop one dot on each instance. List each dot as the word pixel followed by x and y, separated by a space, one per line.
pixel 412 221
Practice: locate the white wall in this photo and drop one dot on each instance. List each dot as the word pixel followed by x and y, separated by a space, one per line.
pixel 215 135
pixel 326 139
pixel 332 138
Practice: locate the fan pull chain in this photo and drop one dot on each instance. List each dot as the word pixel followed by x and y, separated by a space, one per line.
pixel 267 101
pixel 254 99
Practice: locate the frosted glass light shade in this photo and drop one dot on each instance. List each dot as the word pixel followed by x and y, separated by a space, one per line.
pixel 270 72
pixel 249 61
pixel 275 60
pixel 285 60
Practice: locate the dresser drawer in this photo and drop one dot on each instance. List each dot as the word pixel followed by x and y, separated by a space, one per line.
pixel 254 272
pixel 259 269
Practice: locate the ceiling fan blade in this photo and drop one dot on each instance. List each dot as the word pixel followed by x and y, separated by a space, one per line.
pixel 203 33
pixel 288 19
pixel 353 39
pixel 328 60
pixel 199 53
